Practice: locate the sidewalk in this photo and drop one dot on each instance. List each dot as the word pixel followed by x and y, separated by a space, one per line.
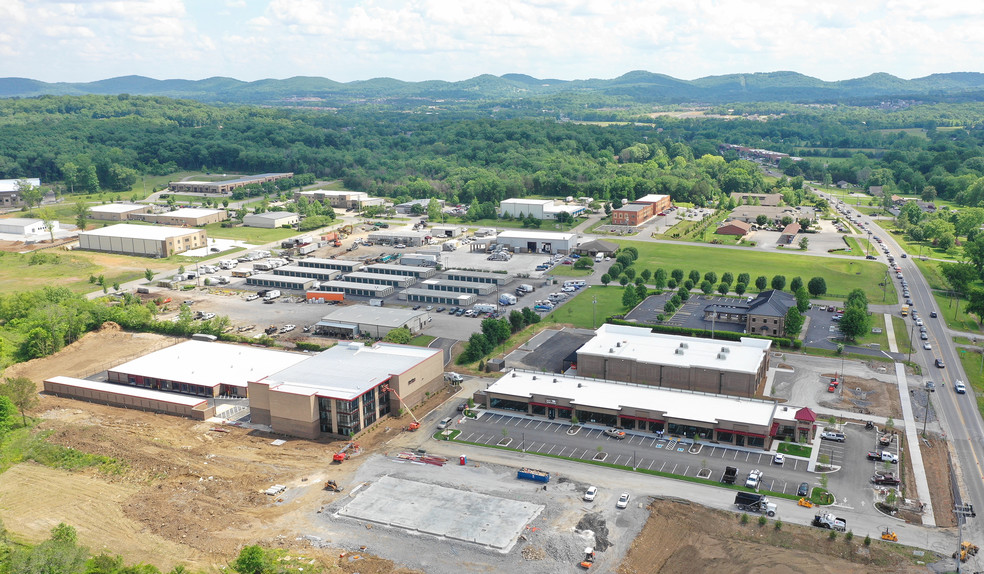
pixel 915 454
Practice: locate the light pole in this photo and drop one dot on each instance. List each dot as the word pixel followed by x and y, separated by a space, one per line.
pixel 926 417
pixel 911 329
pixel 594 312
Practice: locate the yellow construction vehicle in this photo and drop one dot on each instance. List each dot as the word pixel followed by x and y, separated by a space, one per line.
pixel 966 551
pixel 890 535
pixel 805 502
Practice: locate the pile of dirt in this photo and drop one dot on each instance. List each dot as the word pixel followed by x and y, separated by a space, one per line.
pixel 533 553
pixel 685 537
pixel 595 524
pixel 868 396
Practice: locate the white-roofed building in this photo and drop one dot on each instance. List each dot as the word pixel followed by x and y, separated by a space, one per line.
pixel 130 397
pixel 190 216
pixel 344 389
pixel 687 415
pixel 144 240
pixel 637 355
pixel 25 226
pixel 117 211
pixel 539 208
pixel 202 368
pixel 271 219
pixel 374 321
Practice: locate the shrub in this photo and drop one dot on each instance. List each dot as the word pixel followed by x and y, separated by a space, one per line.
pixel 832 535
pixel 867 540
pixel 763 520
pixel 849 536
pixel 744 518
pixel 778 524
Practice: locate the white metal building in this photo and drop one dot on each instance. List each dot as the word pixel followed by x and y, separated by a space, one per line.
pixel 271 219
pixel 523 241
pixel 25 226
pixel 538 208
pixel 144 240
pixel 117 211
pixel 356 320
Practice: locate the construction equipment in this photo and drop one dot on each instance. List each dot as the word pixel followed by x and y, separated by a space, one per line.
pixel 344 453
pixel 416 423
pixel 890 535
pixel 805 502
pixel 588 561
pixel 966 551
pixel 332 486
pixel 830 522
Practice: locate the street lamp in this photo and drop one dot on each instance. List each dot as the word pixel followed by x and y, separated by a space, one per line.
pixel 594 312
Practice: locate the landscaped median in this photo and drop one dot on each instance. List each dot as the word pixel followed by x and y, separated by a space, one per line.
pixel 452 435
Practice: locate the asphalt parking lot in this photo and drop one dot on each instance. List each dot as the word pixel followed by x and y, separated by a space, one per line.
pixel 691 314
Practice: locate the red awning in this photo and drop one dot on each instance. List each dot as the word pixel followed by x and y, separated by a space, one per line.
pixel 774 429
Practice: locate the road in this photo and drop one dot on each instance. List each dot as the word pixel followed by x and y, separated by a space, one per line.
pixel 958 413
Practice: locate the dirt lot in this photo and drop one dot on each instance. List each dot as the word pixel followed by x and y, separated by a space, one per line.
pixel 869 396
pixel 192 494
pixel 685 537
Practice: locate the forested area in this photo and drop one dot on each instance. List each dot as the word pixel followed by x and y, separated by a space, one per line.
pixel 105 142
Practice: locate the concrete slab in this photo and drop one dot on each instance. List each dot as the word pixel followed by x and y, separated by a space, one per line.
pixel 482 519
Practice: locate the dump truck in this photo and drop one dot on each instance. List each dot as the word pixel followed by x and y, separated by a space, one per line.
pixel 752 502
pixel 730 475
pixel 830 522
pixel 533 474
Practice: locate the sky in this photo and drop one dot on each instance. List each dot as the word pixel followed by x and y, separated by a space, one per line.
pixel 414 40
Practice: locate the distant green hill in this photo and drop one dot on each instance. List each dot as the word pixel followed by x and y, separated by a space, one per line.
pixel 641 86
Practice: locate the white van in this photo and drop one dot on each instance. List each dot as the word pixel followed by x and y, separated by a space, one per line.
pixel 599 257
pixel 270 295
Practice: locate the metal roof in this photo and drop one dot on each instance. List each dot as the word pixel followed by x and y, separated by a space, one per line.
pixel 536 235
pixel 190 212
pixel 369 315
pixel 141 231
pixel 117 207
pixel 127 390
pixel 272 215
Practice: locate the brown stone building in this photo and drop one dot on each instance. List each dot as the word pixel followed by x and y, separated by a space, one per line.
pixel 632 214
pixel 763 315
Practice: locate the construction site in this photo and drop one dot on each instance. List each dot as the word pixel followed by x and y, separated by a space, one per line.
pixel 178 491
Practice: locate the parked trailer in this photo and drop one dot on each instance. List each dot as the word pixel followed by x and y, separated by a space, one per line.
pixel 752 502
pixel 533 474
pixel 242 272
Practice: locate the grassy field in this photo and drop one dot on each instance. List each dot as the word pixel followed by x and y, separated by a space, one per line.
pixel 972 365
pixel 579 311
pixel 922 248
pixel 841 275
pixel 569 271
pixel 854 248
pixel 956 318
pixel 902 335
pixel 965 341
pixel 19 272
pixel 253 235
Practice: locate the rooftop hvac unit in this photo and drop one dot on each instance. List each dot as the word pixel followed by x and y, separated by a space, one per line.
pixel 534 377
pixel 679 351
pixel 514 374
pixel 579 385
pixel 618 343
pixel 722 356
pixel 725 350
pixel 684 346
pixel 611 349
pixel 556 380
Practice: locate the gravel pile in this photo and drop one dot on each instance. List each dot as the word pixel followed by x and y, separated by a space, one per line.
pixel 594 524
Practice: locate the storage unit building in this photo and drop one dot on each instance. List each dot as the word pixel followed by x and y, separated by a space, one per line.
pixel 25 226
pixel 130 398
pixel 144 240
pixel 226 186
pixel 311 272
pixel 537 241
pixel 394 269
pixel 271 219
pixel 280 282
pixel 358 320
pixel 499 279
pixel 353 289
pixel 396 236
pixel 458 286
pixel 117 211
pixel 343 265
pixel 400 281
pixel 438 297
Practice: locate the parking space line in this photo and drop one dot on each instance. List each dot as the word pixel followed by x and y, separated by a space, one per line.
pixel 651 464
pixel 616 459
pixel 527 425
pixel 686 470
pixel 674 469
pixel 736 455
pixel 662 466
pixel 551 449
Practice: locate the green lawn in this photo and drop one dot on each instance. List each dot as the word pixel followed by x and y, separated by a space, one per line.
pixel 923 248
pixel 70 270
pixel 794 449
pixel 853 247
pixel 422 340
pixel 881 339
pixel 579 311
pixel 253 235
pixel 902 335
pixel 965 341
pixel 971 362
pixel 930 269
pixel 569 271
pixel 954 314
pixel 841 275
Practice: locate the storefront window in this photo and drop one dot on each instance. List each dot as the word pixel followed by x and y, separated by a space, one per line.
pixel 597 418
pixel 725 437
pixel 755 441
pixel 508 405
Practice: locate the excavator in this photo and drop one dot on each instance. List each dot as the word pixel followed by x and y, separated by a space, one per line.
pixel 967 550
pixel 416 423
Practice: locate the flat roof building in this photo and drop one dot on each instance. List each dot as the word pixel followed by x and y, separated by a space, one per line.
pixel 280 281
pixel 271 219
pixel 343 265
pixel 637 355
pixel 698 416
pixel 143 240
pixel 407 208
pixel 397 237
pixel 396 269
pixel 25 226
pixel 458 286
pixel 659 202
pixel 398 281
pixel 202 368
pixel 309 272
pixel 438 297
pixel 190 216
pixel 499 279
pixel 129 397
pixel 345 389
pixel 225 186
pixel 632 214
pixel 353 289
pixel 117 211
pixel 357 320
pixel 537 241
pixel 519 208
pixel 343 199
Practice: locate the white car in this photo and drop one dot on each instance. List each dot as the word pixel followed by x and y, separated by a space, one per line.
pixel 779 458
pixel 252 297
pixel 207 316
pixel 927 346
pixel 959 387
pixel 288 328
pixel 753 479
pixel 590 493
pixel 400 246
pixel 623 500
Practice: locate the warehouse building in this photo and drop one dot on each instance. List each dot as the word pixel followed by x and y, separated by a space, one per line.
pixel 458 286
pixel 143 240
pixel 686 415
pixel 343 265
pixel 499 279
pixel 356 200
pixel 407 208
pixel 522 241
pixel 363 320
pixel 140 399
pixel 395 269
pixel 353 289
pixel 203 369
pixel 398 237
pixel 399 281
pixel 280 282
pixel 189 216
pixel 438 297
pixel 226 186
pixel 117 211
pixel 10 191
pixel 637 355
pixel 446 231
pixel 24 226
pixel 341 391
pixel 271 219
pixel 520 208
pixel 310 272
pixel 660 203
